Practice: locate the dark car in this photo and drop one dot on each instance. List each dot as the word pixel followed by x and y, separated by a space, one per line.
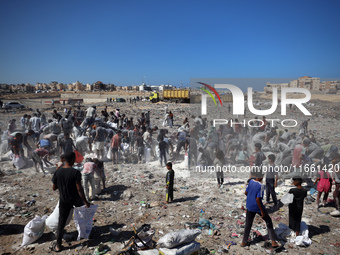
pixel 13 105
pixel 121 100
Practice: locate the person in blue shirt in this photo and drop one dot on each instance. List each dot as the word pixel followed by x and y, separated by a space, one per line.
pixel 254 193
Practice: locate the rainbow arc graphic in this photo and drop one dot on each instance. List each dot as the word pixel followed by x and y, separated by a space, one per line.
pixel 209 93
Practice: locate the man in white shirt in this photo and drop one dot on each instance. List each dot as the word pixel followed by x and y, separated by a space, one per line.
pixel 23 122
pixel 35 123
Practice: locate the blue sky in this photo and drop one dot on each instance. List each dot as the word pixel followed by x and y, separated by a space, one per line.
pixel 121 42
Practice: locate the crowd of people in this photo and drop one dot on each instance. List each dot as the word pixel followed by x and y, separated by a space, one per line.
pixel 112 135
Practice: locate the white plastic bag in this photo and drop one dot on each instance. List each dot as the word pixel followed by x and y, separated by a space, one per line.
pixel 4 147
pixel 182 249
pixel 303 239
pixel 53 220
pixel 83 217
pixel 147 154
pixel 186 160
pixel 109 153
pixel 287 199
pixel 176 238
pixel 149 252
pixel 19 162
pixel 34 230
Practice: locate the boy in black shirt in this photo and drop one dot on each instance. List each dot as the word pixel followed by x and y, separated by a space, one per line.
pixel 68 181
pixel 296 208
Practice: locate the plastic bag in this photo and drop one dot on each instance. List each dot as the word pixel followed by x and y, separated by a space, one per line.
pixel 149 252
pixel 181 250
pixel 34 230
pixel 176 238
pixel 109 153
pixel 303 239
pixel 282 231
pixel 147 153
pixel 287 199
pixel 53 220
pixel 4 147
pixel 19 162
pixel 83 217
pixel 79 157
pixel 186 160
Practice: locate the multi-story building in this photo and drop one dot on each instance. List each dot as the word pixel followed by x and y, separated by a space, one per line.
pixel 270 86
pixel 330 86
pixel 61 86
pixel 99 86
pixel 89 87
pixel 306 82
pixel 78 86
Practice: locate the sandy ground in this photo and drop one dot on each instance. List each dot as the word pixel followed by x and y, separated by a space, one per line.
pixel 130 184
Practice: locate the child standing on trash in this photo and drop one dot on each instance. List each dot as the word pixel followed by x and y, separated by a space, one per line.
pixel 254 193
pixel 271 180
pixel 324 181
pixel 296 207
pixel 170 175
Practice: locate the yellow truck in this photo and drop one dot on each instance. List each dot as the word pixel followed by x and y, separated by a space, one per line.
pixel 177 95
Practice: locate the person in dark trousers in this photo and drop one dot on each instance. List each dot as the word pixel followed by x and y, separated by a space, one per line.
pixel 162 150
pixel 68 181
pixel 254 193
pixel 219 163
pixel 296 207
pixel 259 158
pixel 271 181
pixel 170 175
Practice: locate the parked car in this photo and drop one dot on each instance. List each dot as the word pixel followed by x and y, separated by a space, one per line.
pixel 13 105
pixel 121 100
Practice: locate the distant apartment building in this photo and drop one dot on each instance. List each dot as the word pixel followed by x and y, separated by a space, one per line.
pixel 306 82
pixel 110 87
pixel 270 86
pixel 61 86
pixel 144 87
pixel 98 86
pixel 135 88
pixel 89 87
pixel 78 86
pixel 162 87
pixel 70 87
pixel 127 88
pixel 330 86
pixel 38 86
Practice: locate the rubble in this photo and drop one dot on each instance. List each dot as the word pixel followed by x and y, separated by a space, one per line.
pixel 219 212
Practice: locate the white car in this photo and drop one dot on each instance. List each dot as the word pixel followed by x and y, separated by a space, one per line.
pixel 13 105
